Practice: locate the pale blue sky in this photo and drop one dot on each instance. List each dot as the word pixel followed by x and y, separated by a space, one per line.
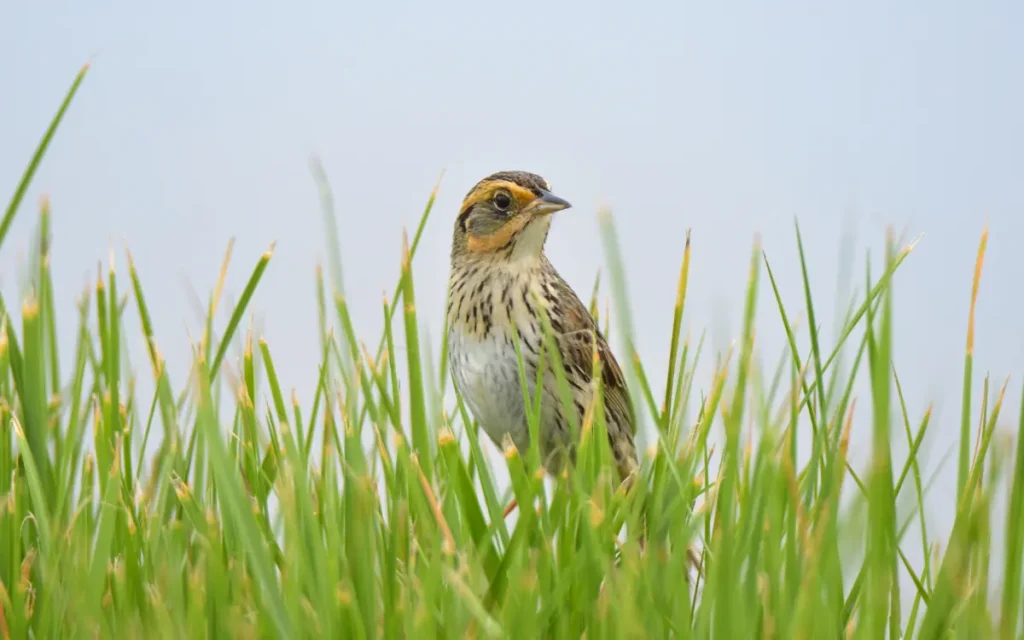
pixel 197 121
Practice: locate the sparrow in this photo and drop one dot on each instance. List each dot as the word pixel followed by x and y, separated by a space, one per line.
pixel 500 282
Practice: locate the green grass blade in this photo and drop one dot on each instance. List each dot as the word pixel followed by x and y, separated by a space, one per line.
pixel 239 310
pixel 1009 618
pixel 37 157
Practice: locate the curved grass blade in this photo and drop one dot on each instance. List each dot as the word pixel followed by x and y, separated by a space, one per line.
pixel 37 157
pixel 236 315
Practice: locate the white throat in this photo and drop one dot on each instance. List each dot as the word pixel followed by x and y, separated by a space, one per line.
pixel 531 239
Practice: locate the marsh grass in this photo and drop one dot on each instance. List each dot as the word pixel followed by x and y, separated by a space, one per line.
pixel 220 507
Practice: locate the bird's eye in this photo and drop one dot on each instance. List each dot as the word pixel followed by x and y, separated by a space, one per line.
pixel 502 201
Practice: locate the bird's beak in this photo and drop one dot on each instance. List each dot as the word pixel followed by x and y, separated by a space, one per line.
pixel 547 203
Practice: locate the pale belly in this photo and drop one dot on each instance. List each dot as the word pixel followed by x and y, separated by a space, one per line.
pixel 486 372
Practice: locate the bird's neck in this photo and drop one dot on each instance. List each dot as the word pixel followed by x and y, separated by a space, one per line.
pixel 497 265
pixel 528 246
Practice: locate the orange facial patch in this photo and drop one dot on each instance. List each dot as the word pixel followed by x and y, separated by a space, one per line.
pixel 499 238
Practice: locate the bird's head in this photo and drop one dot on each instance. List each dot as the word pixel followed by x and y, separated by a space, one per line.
pixel 506 215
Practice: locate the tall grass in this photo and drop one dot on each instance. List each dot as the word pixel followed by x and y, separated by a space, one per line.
pixel 373 512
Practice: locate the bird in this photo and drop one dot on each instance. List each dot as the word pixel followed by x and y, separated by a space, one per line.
pixel 499 282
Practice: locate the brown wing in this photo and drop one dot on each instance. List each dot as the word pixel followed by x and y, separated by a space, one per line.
pixel 576 330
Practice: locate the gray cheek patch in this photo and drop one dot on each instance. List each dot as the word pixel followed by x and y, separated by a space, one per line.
pixel 484 223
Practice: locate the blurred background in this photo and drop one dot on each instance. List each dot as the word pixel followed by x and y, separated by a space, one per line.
pixel 197 122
